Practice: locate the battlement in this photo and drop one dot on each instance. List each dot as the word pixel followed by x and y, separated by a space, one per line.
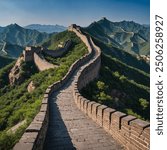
pixel 28 52
pixel 73 26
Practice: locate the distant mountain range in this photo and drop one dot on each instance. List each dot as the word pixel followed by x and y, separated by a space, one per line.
pixel 14 37
pixel 46 28
pixel 127 35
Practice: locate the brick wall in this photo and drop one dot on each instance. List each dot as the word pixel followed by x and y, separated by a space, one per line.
pixel 132 133
pixel 58 52
pixel 41 63
pixel 34 136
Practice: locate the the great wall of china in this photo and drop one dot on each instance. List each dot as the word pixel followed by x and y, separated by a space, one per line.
pixel 132 133
pixel 34 54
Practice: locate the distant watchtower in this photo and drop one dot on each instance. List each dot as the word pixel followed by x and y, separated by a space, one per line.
pixel 71 27
pixel 28 53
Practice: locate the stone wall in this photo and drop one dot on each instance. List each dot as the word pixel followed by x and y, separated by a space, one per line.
pixel 34 136
pixel 41 63
pixel 58 52
pixel 76 29
pixel 28 53
pixel 132 133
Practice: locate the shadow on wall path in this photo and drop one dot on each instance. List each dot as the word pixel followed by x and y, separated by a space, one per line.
pixel 71 129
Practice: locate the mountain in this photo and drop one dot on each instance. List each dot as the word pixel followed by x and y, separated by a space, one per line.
pixel 15 34
pixel 1 29
pixel 127 35
pixel 13 38
pixel 46 28
pixel 123 56
pixel 10 50
pixel 5 61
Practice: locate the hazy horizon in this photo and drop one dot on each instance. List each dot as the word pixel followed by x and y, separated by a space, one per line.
pixel 68 25
pixel 66 12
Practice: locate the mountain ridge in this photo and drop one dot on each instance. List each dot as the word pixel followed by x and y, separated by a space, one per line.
pixel 46 28
pixel 127 35
pixel 19 37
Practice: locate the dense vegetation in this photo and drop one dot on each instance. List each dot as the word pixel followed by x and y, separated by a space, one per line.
pixel 17 104
pixel 5 61
pixel 121 83
pixel 63 37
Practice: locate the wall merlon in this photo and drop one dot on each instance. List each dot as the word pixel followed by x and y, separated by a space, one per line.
pixel 116 119
pixel 48 90
pixel 140 124
pixel 34 127
pixel 22 145
pixel 44 108
pixel 94 110
pixel 89 108
pixel 107 118
pixel 29 137
pixel 79 101
pixel 100 112
pixel 46 95
pixel 126 120
pixel 40 117
pixel 86 106
pixel 45 101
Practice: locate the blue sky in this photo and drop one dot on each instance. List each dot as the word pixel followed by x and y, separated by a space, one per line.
pixel 65 12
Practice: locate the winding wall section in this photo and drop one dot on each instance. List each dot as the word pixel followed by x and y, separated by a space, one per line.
pixel 129 131
pixel 41 63
pixel 34 136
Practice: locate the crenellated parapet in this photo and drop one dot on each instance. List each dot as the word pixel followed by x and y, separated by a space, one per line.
pixel 34 135
pixel 131 132
pixel 59 52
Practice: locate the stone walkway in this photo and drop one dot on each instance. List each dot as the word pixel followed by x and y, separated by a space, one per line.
pixel 70 129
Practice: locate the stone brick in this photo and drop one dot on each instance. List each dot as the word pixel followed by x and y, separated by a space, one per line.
pixel 116 120
pixel 82 103
pixel 76 94
pixel 146 132
pixel 89 108
pixel 23 146
pixel 86 106
pixel 44 107
pixel 126 120
pixel 100 112
pixel 48 90
pixel 34 127
pixel 94 110
pixel 79 101
pixel 29 137
pixel 45 101
pixel 40 117
pixel 137 126
pixel 138 123
pixel 46 95
pixel 107 118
